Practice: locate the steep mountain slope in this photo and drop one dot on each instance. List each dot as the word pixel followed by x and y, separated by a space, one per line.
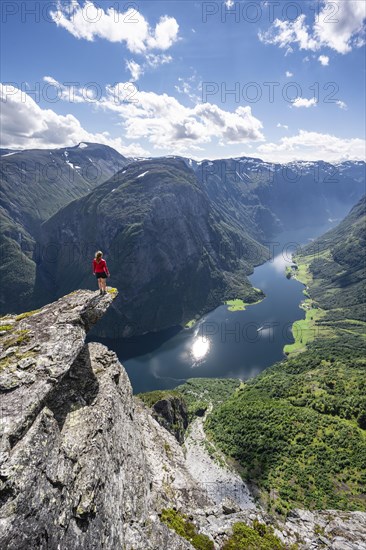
pixel 337 262
pixel 167 247
pixel 231 186
pixel 290 195
pixel 298 429
pixel 34 185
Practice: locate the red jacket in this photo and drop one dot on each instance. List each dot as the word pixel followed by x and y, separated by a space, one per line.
pixel 100 267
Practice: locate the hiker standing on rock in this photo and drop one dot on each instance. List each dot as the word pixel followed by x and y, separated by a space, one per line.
pixel 101 271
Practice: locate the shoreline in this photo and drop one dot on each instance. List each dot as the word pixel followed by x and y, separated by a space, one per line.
pixel 303 330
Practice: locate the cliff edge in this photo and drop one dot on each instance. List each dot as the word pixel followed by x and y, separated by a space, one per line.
pixel 85 465
pixel 76 463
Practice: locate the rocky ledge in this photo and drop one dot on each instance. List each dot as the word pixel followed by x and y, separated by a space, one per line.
pixel 84 465
pixel 78 455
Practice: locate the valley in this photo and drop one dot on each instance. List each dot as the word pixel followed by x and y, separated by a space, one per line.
pixel 183 275
pixel 179 246
pixel 204 223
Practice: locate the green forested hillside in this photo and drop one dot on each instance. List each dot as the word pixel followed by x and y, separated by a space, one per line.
pixel 337 263
pixel 299 429
pixel 197 393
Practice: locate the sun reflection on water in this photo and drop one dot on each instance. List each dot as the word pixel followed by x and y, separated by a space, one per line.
pixel 200 347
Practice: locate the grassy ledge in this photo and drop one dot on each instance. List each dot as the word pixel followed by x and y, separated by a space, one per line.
pixel 183 527
pixel 26 314
pixel 112 290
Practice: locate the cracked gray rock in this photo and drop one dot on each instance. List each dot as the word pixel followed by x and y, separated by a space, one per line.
pixel 84 465
pixel 73 471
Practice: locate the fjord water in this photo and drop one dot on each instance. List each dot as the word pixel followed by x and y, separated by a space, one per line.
pixel 237 344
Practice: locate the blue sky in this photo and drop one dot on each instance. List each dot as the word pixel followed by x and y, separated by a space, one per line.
pixel 162 71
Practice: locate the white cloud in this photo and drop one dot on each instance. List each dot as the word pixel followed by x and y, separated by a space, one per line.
pixel 342 105
pixel 285 33
pixel 304 102
pixel 90 21
pixel 340 31
pixel 161 120
pixel 169 125
pixel 166 124
pixel 324 60
pixel 151 61
pixel 343 30
pixel 279 125
pixel 71 93
pixel 289 74
pixel 25 125
pixel 189 86
pixel 313 146
pixel 135 69
pixel 165 34
pixel 155 60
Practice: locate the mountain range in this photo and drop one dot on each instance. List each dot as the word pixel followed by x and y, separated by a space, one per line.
pixel 170 250
pixel 179 236
pixel 34 185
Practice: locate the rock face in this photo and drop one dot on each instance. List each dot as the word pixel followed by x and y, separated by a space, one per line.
pixel 318 530
pixel 172 414
pixel 85 465
pixel 209 467
pixel 78 455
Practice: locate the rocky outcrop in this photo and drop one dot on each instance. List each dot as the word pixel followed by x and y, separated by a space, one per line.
pixel 171 412
pixel 37 349
pixel 84 465
pixel 209 467
pixel 318 530
pixel 74 470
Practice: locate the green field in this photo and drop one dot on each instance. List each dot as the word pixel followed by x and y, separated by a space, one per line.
pixel 240 305
pixel 191 323
pixel 305 330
